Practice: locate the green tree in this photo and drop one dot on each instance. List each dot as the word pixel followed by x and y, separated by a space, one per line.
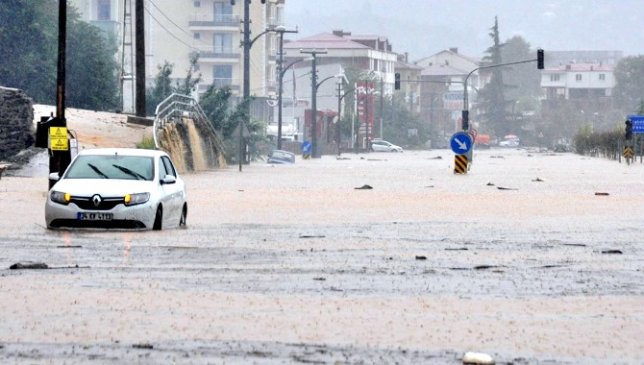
pixel 29 49
pixel 629 78
pixel 188 85
pixel 28 40
pixel 91 73
pixel 161 88
pixel 492 98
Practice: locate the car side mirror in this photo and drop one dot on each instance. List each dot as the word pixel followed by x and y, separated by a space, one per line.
pixel 168 179
pixel 54 176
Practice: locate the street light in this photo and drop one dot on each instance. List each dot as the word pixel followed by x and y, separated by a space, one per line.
pixel 281 30
pixel 314 88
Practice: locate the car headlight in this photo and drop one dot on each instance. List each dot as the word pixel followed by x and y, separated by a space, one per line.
pixel 60 197
pixel 134 199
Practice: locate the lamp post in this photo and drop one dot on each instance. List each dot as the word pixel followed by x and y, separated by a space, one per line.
pixel 246 43
pixel 341 96
pixel 314 88
pixel 281 30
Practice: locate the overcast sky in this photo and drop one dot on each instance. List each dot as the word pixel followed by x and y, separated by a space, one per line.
pixel 425 27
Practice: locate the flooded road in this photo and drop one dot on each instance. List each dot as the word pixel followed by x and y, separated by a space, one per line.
pixel 520 259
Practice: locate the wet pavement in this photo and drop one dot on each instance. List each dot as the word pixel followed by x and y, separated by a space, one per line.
pixel 292 264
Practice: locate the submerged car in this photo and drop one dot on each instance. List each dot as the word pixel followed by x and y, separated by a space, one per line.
pixel 379 145
pixel 117 188
pixel 281 157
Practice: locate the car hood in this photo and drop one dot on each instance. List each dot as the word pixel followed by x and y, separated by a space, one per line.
pixel 105 187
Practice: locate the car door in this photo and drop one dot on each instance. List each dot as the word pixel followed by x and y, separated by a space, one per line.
pixel 172 194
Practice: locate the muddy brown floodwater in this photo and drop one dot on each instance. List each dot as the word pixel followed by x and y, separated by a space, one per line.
pixel 519 259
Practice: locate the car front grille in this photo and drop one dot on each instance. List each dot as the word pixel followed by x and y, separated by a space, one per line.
pixel 88 202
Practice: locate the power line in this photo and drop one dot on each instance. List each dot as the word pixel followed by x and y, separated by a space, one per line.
pixel 168 31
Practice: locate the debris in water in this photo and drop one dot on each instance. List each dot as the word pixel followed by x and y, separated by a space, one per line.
pixel 342 158
pixel 319 279
pixel 612 252
pixel 28 265
pixel 436 158
pixel 457 249
pixel 602 194
pixel 364 187
pixel 145 346
pixel 484 267
pixel 429 186
pixel 66 246
pixel 421 257
pixel 312 236
pixel 477 358
pixel 537 180
pixel 575 244
pixel 503 188
pixel 490 184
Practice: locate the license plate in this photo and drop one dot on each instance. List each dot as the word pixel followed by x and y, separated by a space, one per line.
pixel 94 216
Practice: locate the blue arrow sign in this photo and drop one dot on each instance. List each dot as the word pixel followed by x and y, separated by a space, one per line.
pixel 638 123
pixel 461 143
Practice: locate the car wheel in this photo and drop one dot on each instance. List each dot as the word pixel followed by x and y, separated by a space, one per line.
pixel 184 216
pixel 158 218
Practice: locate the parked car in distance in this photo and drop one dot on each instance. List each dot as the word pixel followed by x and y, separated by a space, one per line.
pixel 510 141
pixel 379 145
pixel 117 188
pixel 281 157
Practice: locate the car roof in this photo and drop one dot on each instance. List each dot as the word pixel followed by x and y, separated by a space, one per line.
pixel 122 151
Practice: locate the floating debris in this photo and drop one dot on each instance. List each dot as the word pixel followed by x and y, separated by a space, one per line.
pixel 477 358
pixel 145 346
pixel 457 249
pixel 537 180
pixel 364 187
pixel 504 188
pixel 421 257
pixel 602 194
pixel 312 236
pixel 28 265
pixel 436 158
pixel 612 252
pixel 319 279
pixel 490 184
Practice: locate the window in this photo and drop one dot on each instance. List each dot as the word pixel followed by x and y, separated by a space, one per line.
pixel 223 11
pixel 223 75
pixel 578 77
pixel 602 77
pixel 168 168
pixel 197 3
pixel 554 77
pixel 223 43
pixel 103 10
pixel 197 35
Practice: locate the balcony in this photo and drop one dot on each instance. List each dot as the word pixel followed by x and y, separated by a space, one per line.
pixel 212 54
pixel 201 22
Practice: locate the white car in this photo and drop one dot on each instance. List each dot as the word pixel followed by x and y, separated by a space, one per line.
pixel 379 145
pixel 117 188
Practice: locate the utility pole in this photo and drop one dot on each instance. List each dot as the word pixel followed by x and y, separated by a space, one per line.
pixel 140 58
pixel 382 96
pixel 314 88
pixel 281 30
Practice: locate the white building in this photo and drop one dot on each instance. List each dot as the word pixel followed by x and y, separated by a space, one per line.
pixel 176 29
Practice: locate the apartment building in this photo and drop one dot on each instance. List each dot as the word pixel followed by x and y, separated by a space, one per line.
pixel 177 29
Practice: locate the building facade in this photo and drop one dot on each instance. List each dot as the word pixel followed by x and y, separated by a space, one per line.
pixel 177 29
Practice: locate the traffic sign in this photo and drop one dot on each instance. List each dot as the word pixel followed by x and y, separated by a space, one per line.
pixel 460 164
pixel 461 143
pixel 58 139
pixel 628 152
pixel 638 123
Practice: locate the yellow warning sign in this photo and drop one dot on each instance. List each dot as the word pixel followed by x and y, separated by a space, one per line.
pixel 460 164
pixel 58 139
pixel 628 152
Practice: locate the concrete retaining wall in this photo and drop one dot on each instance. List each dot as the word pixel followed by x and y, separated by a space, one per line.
pixel 16 122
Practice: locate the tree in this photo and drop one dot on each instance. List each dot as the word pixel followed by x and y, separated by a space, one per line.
pixel 629 78
pixel 29 49
pixel 491 96
pixel 91 74
pixel 161 89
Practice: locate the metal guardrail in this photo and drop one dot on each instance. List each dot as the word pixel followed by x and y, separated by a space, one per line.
pixel 176 107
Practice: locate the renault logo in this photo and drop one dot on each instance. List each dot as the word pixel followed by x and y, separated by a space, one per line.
pixel 96 199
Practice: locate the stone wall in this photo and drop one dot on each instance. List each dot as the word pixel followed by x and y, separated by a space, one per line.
pixel 16 122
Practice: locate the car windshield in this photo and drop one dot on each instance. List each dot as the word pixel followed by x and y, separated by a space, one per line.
pixel 111 167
